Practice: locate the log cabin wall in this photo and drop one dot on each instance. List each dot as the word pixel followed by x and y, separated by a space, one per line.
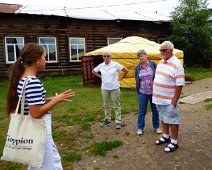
pixel 95 32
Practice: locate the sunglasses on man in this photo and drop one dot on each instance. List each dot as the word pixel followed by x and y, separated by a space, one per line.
pixel 106 56
pixel 163 50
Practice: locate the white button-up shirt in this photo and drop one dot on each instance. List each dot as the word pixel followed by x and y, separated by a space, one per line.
pixel 109 75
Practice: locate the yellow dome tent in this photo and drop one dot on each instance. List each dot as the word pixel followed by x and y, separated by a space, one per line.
pixel 125 53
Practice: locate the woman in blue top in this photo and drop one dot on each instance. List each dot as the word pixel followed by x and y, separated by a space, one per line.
pixel 32 60
pixel 144 75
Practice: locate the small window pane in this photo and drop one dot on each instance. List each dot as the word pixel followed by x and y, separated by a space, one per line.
pixel 11 53
pixel 13 46
pixel 19 40
pixel 47 40
pixel 50 45
pixel 52 53
pixel 11 40
pixel 18 50
pixel 74 47
pixel 74 54
pixel 52 49
pixel 81 51
pixel 52 57
pixel 77 41
pixel 77 48
pixel 81 47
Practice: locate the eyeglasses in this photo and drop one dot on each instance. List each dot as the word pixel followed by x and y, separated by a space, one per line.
pixel 163 50
pixel 106 56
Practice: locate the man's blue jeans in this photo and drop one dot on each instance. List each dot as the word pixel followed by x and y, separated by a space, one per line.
pixel 142 107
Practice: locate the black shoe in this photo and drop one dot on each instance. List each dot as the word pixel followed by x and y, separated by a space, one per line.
pixel 105 123
pixel 162 140
pixel 171 147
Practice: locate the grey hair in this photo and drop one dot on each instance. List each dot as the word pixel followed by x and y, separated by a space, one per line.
pixel 107 53
pixel 168 44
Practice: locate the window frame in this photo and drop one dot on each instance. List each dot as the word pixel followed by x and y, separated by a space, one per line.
pixel 108 40
pixel 78 57
pixel 6 48
pixel 47 49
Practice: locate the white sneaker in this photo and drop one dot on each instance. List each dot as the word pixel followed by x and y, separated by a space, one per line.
pixel 158 131
pixel 139 132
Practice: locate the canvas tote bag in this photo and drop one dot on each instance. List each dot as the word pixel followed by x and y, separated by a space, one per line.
pixel 25 141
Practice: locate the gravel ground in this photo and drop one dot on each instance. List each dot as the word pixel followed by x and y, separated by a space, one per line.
pixel 140 152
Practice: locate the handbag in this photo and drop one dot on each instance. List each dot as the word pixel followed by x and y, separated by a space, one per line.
pixel 25 141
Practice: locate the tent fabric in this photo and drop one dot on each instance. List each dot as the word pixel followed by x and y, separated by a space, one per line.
pixel 125 53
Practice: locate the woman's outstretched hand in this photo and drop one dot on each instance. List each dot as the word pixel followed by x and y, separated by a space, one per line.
pixel 65 96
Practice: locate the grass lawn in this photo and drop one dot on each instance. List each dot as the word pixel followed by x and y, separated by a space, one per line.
pixel 198 73
pixel 72 120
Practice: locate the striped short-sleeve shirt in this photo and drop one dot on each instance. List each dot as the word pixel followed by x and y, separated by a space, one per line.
pixel 169 74
pixel 34 92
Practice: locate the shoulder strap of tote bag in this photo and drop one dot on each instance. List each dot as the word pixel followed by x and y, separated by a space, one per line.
pixel 21 99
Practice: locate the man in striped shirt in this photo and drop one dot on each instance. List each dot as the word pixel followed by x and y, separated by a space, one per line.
pixel 167 87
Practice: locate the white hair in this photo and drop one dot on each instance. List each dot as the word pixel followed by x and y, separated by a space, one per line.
pixel 168 44
pixel 107 53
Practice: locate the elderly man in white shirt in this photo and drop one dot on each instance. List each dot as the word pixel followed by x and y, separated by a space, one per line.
pixel 110 87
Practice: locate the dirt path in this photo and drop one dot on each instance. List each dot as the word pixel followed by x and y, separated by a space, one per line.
pixel 140 152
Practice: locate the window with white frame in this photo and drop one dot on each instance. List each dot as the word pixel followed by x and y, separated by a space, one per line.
pixel 51 48
pixel 13 46
pixel 77 48
pixel 112 40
